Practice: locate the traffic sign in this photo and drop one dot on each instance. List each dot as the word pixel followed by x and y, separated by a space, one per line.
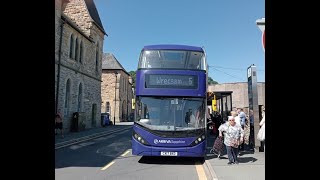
pixel 264 40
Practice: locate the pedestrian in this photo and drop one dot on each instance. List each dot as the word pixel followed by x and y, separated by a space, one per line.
pixel 217 147
pixel 238 122
pixel 246 132
pixel 242 116
pixel 233 136
pixel 251 139
pixel 261 133
pixel 58 124
pixel 236 117
pixel 107 119
pixel 217 119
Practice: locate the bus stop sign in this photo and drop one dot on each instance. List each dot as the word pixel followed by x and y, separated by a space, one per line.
pixel 261 25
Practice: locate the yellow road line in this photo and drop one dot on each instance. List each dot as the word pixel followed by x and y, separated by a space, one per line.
pixel 125 153
pixel 108 165
pixel 200 171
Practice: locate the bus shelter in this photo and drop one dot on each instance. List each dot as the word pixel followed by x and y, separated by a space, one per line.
pixel 223 100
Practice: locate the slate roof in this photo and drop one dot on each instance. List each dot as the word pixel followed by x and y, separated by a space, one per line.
pixel 111 62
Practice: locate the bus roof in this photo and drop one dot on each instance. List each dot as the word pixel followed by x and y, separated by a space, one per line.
pixel 172 47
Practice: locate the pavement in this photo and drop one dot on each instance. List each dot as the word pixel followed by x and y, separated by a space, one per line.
pixel 251 164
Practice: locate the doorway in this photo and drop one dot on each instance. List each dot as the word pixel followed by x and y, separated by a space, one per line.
pixel 94 115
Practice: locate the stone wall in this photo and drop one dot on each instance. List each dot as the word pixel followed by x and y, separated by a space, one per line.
pixel 89 52
pixel 108 90
pixel 123 94
pixel 58 4
pixel 85 72
pixel 77 72
pixel 91 90
pixel 76 10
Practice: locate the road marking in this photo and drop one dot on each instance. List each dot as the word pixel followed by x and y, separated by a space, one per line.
pixel 125 153
pixel 200 171
pixel 100 139
pixel 74 147
pixel 211 171
pixel 86 138
pixel 108 165
pixel 86 143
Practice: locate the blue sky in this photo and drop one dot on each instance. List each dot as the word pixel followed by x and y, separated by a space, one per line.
pixel 226 28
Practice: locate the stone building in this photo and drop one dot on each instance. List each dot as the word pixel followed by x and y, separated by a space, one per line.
pixel 116 89
pixel 79 36
pixel 240 93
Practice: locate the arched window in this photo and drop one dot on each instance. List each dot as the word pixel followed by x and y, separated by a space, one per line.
pixel 122 84
pixel 67 97
pixel 71 46
pixel 97 57
pixel 80 98
pixel 108 107
pixel 77 50
pixel 81 52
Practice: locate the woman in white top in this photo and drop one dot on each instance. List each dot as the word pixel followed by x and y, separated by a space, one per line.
pixel 233 136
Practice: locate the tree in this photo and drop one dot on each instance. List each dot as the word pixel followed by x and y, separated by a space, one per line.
pixel 133 76
pixel 211 81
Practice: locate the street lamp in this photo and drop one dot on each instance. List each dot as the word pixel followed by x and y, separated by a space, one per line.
pixel 115 96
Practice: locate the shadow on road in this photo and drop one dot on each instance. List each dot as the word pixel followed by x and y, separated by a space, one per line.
pixel 246 159
pixel 94 153
pixel 170 160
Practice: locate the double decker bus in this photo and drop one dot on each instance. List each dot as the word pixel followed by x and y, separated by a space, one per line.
pixel 170 102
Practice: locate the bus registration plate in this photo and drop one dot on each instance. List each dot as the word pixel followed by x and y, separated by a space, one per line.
pixel 169 153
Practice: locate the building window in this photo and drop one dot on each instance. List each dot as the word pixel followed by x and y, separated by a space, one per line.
pixel 108 107
pixel 97 57
pixel 126 86
pixel 80 97
pixel 71 47
pixel 77 50
pixel 122 84
pixel 67 98
pixel 81 52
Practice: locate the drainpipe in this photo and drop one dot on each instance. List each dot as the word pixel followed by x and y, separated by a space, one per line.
pixel 115 99
pixel 59 64
pixel 127 118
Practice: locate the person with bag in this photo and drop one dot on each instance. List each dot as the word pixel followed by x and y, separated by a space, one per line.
pixel 58 123
pixel 217 146
pixel 261 133
pixel 233 136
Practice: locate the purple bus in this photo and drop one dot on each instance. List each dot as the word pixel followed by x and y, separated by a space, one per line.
pixel 170 102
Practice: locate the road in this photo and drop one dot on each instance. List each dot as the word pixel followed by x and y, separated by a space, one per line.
pixel 110 157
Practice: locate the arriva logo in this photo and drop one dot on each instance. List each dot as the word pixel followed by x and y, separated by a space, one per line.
pixel 156 141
